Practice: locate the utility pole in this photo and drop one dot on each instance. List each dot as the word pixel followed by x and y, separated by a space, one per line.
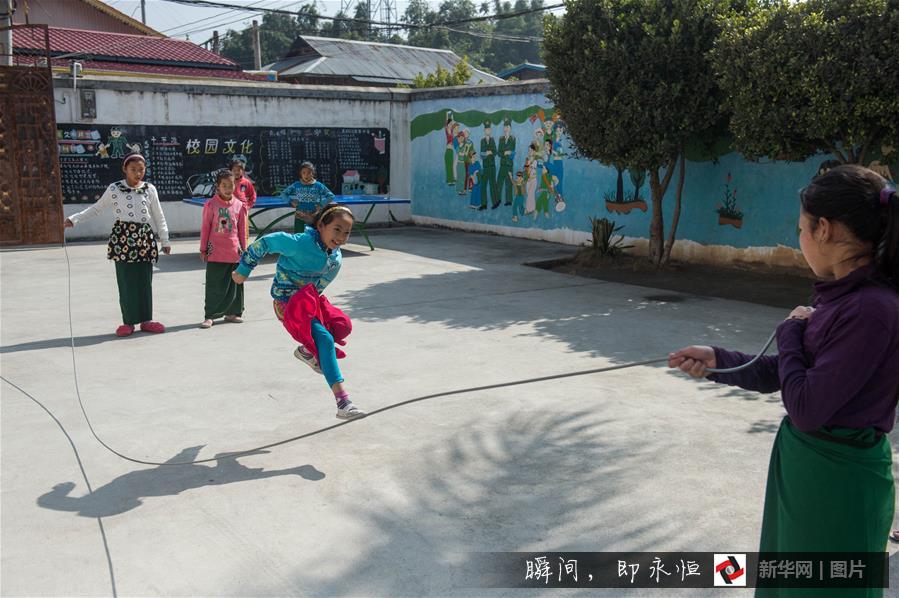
pixel 6 35
pixel 216 47
pixel 257 48
pixel 143 11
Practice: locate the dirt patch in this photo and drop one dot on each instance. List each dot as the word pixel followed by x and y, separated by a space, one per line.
pixel 776 287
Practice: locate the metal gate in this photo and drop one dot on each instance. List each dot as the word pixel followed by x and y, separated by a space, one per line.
pixel 30 196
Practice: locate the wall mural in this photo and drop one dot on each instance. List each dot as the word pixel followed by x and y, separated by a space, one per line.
pixel 507 160
pixel 490 167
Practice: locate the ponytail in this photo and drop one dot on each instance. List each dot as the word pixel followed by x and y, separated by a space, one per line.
pixel 886 257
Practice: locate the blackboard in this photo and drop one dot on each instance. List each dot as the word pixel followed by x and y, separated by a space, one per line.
pixel 182 160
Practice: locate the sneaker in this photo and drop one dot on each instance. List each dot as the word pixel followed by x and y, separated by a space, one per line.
pixel 307 358
pixel 207 323
pixel 151 326
pixel 349 411
pixel 124 330
pixel 234 319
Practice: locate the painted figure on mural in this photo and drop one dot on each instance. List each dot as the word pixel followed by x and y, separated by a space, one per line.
pixel 465 157
pixel 544 190
pixel 449 129
pixel 537 142
pixel 506 163
pixel 518 189
pixel 558 153
pixel 476 183
pixel 530 177
pixel 488 166
pixel 553 165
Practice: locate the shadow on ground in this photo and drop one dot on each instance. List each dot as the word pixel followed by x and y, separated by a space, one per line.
pixel 536 483
pixel 128 491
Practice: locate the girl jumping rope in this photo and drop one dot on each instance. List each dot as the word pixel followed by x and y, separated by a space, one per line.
pixel 132 244
pixel 830 482
pixel 309 261
pixel 222 241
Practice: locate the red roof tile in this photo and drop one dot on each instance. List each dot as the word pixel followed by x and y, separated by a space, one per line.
pixel 117 45
pixel 154 69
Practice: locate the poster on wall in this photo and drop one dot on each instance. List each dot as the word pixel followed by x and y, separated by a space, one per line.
pixel 181 161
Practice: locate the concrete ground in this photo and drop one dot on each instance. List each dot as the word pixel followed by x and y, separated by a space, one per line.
pixel 641 459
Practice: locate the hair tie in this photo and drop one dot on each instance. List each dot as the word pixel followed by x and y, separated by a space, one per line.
pixel 885 194
pixel 337 207
pixel 134 156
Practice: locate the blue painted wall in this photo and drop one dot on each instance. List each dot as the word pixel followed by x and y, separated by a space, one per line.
pixel 766 192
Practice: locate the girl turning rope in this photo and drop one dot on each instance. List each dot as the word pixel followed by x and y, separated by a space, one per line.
pixel 830 482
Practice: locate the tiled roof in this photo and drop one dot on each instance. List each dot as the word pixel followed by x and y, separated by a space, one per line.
pixel 162 70
pixel 133 48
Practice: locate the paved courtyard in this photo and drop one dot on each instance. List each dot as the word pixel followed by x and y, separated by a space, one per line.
pixel 641 459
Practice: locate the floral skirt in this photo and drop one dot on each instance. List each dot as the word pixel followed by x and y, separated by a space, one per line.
pixel 132 242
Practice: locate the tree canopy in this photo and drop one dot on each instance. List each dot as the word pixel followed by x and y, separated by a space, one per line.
pixel 634 83
pixel 818 75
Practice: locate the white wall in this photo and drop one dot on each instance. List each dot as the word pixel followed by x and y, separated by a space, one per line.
pixel 124 101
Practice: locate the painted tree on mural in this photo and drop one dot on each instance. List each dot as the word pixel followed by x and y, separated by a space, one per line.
pixel 819 75
pixel 634 83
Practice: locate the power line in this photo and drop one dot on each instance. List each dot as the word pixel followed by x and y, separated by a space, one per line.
pixel 298 13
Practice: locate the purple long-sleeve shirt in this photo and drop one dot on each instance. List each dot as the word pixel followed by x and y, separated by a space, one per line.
pixel 840 367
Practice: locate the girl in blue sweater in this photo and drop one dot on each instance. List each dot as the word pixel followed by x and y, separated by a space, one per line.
pixel 308 262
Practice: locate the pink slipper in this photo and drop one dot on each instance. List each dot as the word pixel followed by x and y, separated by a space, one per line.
pixel 151 326
pixel 124 330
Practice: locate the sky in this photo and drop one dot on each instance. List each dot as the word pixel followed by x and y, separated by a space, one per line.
pixel 198 23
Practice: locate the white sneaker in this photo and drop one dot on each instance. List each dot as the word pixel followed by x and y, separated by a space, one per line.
pixel 350 411
pixel 307 358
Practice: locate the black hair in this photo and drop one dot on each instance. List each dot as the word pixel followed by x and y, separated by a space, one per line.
pixel 235 161
pixel 306 164
pixel 864 203
pixel 221 174
pixel 326 214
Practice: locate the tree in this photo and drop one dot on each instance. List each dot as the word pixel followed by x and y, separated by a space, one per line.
pixel 501 54
pixel 442 77
pixel 277 32
pixel 633 81
pixel 819 75
pixel 340 27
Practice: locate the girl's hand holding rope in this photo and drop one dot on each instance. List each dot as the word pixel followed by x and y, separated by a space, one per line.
pixel 694 360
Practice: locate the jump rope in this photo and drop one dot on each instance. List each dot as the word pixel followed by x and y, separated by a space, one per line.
pixel 448 393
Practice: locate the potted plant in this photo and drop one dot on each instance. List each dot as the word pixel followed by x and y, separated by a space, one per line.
pixel 624 203
pixel 727 211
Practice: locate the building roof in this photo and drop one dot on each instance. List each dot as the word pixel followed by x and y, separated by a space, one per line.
pixel 367 62
pixel 128 53
pixel 524 66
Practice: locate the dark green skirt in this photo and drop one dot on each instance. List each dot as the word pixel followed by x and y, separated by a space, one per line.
pixel 135 280
pixel 828 495
pixel 224 297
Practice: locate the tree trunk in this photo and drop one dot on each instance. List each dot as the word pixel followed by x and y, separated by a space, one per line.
pixel 657 224
pixel 619 188
pixel 672 232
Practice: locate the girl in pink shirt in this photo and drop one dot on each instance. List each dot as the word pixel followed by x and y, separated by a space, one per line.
pixel 222 241
pixel 243 190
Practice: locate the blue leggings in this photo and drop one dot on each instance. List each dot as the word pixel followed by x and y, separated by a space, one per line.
pixel 327 357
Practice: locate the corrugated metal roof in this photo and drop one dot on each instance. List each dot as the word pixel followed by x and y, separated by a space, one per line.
pixel 368 61
pixel 524 66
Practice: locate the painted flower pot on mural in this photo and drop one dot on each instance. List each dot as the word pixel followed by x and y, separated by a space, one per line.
pixel 734 222
pixel 625 207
